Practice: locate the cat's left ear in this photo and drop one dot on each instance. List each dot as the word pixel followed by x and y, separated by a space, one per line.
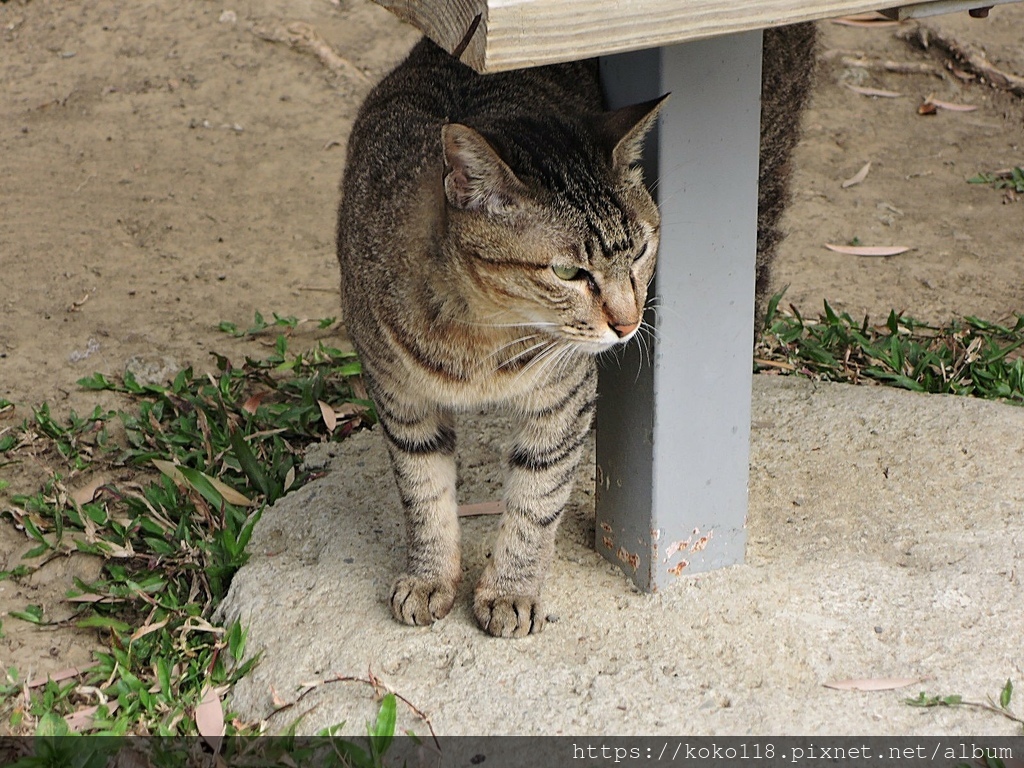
pixel 622 132
pixel 478 178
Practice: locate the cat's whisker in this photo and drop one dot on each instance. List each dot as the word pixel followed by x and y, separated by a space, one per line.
pixel 541 360
pixel 530 324
pixel 563 360
pixel 528 350
pixel 649 331
pixel 503 347
pixel 658 307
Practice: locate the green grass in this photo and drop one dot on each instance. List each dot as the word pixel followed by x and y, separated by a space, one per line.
pixel 169 505
pixel 966 357
pixel 1009 179
pixel 1000 706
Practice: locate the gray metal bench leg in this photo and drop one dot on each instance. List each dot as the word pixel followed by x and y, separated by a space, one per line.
pixel 673 431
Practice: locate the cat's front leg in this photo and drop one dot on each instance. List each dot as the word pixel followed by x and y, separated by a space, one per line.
pixel 548 446
pixel 422 449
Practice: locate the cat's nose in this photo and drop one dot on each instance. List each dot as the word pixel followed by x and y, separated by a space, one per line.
pixel 623 329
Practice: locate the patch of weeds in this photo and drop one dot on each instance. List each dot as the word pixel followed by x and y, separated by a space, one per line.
pixel 54 747
pixel 1011 178
pixel 966 357
pixel 999 707
pixel 260 324
pixel 169 506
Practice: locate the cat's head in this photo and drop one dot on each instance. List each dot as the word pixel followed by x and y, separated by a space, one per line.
pixel 552 225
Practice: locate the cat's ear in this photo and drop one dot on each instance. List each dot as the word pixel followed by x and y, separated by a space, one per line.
pixel 477 178
pixel 622 132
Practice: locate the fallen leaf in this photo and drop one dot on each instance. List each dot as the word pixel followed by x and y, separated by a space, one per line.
pixel 349 409
pixel 330 417
pixel 87 492
pixel 148 628
pixel 950 106
pixel 879 92
pixel 89 599
pixel 231 496
pixel 927 109
pixel 276 699
pixel 858 177
pixel 250 405
pixel 83 718
pixel 868 250
pixel 209 718
pixel 168 468
pixel 64 674
pixel 873 684
pixel 483 508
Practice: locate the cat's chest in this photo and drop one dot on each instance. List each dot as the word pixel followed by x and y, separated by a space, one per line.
pixel 500 371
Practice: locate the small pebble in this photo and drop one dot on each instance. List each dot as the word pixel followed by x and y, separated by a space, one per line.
pixel 228 17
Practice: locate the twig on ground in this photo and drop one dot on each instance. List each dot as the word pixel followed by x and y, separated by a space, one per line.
pixel 966 55
pixel 898 67
pixel 304 37
pixel 374 682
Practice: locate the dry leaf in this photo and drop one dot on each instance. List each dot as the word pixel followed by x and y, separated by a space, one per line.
pixel 230 495
pixel 330 417
pixel 274 697
pixel 950 106
pixel 168 468
pixel 209 717
pixel 89 599
pixel 879 92
pixel 873 684
pixel 868 250
pixel 250 405
pixel 927 109
pixel 858 177
pixel 148 628
pixel 483 508
pixel 87 492
pixel 64 674
pixel 349 409
pixel 83 718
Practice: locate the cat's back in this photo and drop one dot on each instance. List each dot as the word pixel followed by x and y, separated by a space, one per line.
pixel 396 136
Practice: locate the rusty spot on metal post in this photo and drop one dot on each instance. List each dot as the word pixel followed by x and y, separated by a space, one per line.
pixel 678 568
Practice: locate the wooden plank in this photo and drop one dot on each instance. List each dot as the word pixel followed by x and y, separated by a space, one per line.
pixel 939 7
pixel 522 33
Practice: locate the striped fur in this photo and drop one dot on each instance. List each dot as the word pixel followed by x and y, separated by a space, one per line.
pixel 494 236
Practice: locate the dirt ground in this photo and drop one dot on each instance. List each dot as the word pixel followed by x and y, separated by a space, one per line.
pixel 167 166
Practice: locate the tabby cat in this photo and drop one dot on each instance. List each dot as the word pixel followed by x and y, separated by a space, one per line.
pixel 494 236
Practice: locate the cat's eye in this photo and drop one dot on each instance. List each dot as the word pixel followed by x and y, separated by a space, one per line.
pixel 643 252
pixel 565 273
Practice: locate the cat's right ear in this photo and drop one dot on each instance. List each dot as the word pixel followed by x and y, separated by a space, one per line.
pixel 477 179
pixel 623 130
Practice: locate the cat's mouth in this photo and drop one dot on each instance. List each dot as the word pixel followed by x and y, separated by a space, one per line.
pixel 608 340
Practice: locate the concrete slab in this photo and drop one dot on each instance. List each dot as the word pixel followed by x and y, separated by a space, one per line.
pixel 885 539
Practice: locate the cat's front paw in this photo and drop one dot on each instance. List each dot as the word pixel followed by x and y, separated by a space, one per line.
pixel 508 615
pixel 415 600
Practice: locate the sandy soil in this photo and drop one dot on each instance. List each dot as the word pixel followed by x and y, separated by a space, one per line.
pixel 167 167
